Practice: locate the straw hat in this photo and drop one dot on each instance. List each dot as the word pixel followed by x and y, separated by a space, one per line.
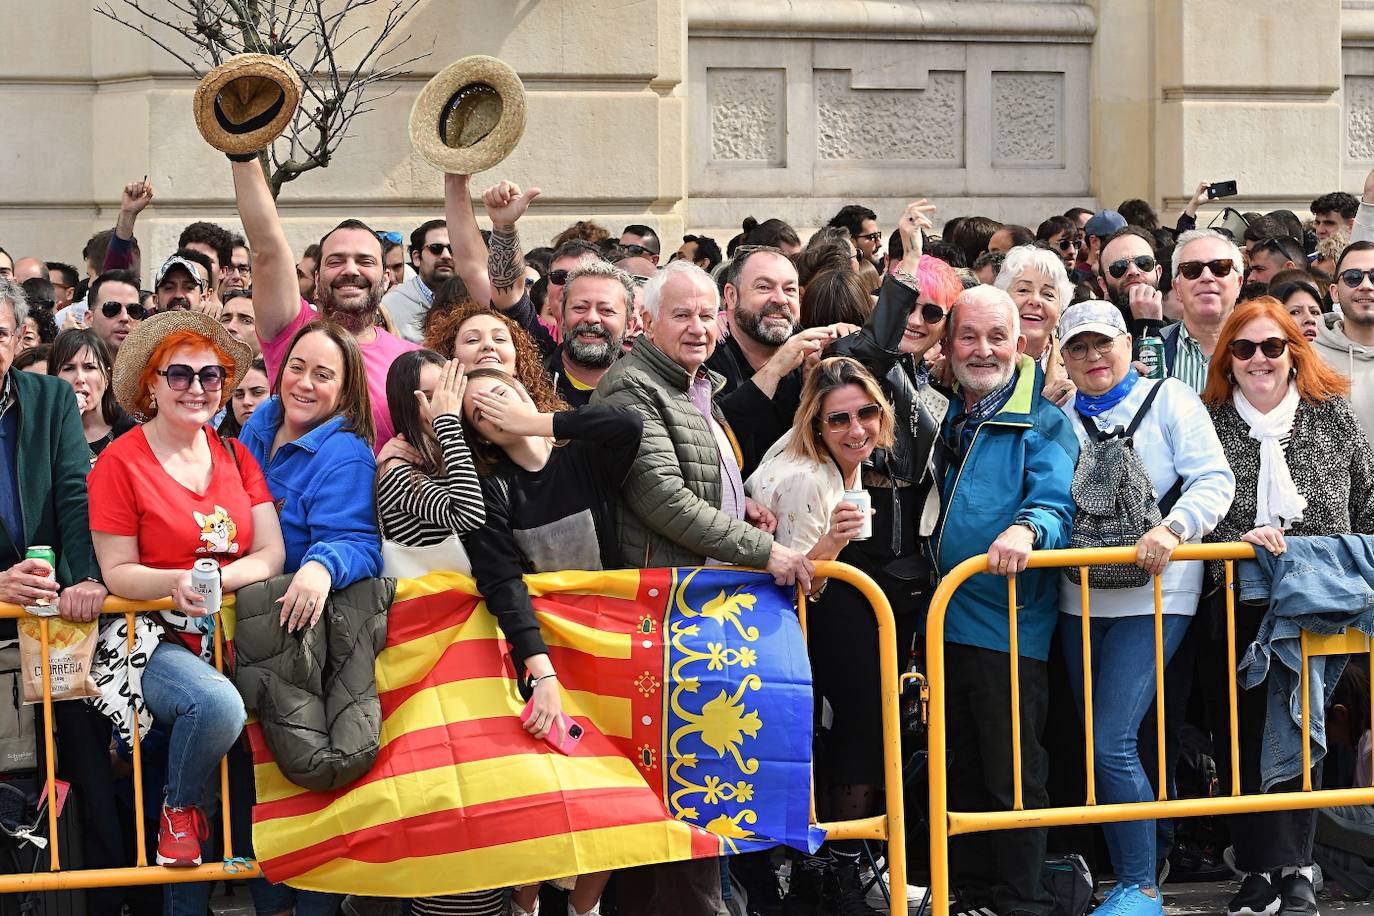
pixel 246 102
pixel 469 116
pixel 138 348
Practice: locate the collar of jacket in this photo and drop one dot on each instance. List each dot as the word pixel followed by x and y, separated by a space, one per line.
pixel 1017 410
pixel 311 441
pixel 659 363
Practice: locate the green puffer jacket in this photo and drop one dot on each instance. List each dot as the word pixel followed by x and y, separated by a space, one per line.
pixel 315 691
pixel 669 512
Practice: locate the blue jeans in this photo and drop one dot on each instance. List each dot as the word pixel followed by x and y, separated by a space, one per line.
pixel 1123 688
pixel 204 716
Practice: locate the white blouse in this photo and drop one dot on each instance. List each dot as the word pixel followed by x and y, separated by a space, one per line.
pixel 802 493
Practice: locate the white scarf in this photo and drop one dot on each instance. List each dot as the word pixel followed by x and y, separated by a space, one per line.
pixel 1277 500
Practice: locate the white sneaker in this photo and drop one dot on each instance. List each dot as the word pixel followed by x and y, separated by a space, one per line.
pixel 915 894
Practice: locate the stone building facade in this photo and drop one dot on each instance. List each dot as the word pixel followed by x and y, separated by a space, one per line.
pixel 693 115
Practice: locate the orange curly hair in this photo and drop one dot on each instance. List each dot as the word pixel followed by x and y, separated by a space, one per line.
pixel 441 333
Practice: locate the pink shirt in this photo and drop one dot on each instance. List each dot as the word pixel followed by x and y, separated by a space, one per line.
pixel 377 359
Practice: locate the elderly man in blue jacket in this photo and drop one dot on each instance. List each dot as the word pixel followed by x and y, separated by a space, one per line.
pixel 1008 458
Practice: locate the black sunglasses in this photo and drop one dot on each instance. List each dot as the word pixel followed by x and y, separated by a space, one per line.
pixel 1221 267
pixel 179 377
pixel 1353 276
pixel 840 419
pixel 637 250
pixel 112 309
pixel 1143 261
pixel 1271 347
pixel 932 313
pixel 438 248
pixel 1066 243
pixel 871 236
pixel 558 277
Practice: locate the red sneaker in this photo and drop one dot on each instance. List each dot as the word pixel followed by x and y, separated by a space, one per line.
pixel 179 836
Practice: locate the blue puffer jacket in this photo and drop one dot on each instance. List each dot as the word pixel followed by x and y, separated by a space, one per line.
pixel 1017 469
pixel 322 485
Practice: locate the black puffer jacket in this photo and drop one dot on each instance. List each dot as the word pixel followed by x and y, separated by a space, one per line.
pixel 315 691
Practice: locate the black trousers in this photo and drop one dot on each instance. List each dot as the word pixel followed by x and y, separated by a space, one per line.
pixel 1001 868
pixel 1271 840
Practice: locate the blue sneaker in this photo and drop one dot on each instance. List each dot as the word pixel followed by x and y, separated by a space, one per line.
pixel 1130 900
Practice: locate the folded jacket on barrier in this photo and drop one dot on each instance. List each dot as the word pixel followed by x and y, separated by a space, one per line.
pixel 315 691
pixel 1320 584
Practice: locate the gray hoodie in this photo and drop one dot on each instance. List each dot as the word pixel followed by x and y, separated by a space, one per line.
pixel 1354 361
pixel 407 306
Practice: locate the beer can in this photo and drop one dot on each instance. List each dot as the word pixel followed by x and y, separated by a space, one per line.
pixel 861 499
pixel 205 580
pixel 1152 355
pixel 45 553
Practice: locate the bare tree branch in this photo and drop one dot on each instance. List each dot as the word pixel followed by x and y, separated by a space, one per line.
pixel 309 37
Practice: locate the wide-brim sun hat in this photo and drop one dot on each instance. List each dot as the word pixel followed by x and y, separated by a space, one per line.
pixel 138 348
pixel 469 116
pixel 246 102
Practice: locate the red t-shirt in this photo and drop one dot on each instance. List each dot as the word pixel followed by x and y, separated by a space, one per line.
pixel 132 496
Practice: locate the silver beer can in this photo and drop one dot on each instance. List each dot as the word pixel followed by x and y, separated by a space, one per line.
pixel 205 580
pixel 861 499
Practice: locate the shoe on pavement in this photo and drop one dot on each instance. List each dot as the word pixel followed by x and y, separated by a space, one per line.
pixel 1298 896
pixel 1130 900
pixel 180 831
pixel 1257 897
pixel 915 894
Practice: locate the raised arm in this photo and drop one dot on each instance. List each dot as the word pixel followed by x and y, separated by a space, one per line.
pixel 276 294
pixel 505 204
pixel 469 251
pixel 120 253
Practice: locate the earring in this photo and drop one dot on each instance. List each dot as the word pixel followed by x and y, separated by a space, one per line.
pixel 1292 372
pixel 152 402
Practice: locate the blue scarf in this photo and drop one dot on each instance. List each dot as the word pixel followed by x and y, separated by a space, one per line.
pixel 1095 405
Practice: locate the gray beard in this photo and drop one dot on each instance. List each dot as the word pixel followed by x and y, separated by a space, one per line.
pixel 751 325
pixel 976 387
pixel 597 355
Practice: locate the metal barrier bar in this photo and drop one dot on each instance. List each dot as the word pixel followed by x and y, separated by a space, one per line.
pixel 1088 685
pixel 1306 720
pixel 1017 801
pixel 1233 723
pixel 49 760
pixel 1159 690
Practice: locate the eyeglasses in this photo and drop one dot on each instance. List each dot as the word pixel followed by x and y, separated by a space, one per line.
pixel 233 268
pixel 1065 244
pixel 1078 349
pixel 1221 267
pixel 558 277
pixel 1353 276
pixel 637 250
pixel 1271 347
pixel 870 237
pixel 1143 262
pixel 179 375
pixel 932 313
pixel 112 309
pixel 841 419
pixel 439 249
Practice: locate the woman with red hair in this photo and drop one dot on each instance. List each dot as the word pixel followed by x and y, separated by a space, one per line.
pixel 1303 467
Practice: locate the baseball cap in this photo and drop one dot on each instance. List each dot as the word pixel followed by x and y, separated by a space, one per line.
pixel 1104 223
pixel 1092 315
pixel 174 262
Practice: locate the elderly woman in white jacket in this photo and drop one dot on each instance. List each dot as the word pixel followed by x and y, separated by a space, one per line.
pixel 1179 450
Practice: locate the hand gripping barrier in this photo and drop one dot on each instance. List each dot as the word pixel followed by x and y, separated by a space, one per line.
pixel 946 824
pixel 889 826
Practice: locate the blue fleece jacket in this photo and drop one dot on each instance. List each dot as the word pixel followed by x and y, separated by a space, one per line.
pixel 1017 469
pixel 322 484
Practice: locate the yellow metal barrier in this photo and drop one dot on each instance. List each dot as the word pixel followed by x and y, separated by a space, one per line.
pixel 890 827
pixel 945 823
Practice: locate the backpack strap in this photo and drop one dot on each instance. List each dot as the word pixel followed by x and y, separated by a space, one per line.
pixel 1144 409
pixel 228 443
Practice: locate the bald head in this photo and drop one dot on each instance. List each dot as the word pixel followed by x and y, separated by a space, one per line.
pixel 29 269
pixel 983 299
pixel 984 341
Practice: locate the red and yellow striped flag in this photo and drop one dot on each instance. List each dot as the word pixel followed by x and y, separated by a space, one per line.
pixel 461 798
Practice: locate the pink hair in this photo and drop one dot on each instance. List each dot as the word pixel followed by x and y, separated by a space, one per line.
pixel 939 281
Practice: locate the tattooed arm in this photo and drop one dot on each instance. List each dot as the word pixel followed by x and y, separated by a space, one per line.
pixel 505 204
pixel 469 251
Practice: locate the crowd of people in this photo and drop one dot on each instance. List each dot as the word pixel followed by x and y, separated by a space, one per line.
pixel 897 400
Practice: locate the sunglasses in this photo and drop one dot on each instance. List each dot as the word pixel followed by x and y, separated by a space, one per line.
pixel 1142 261
pixel 637 250
pixel 1221 267
pixel 558 277
pixel 1066 244
pixel 871 236
pixel 1271 347
pixel 1353 276
pixel 112 309
pixel 438 249
pixel 932 313
pixel 179 375
pixel 841 419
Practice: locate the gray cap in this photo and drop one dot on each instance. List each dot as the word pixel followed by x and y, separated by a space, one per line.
pixel 1103 223
pixel 1093 315
pixel 174 262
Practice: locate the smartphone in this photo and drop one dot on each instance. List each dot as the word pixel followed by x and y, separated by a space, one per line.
pixel 563 735
pixel 1221 189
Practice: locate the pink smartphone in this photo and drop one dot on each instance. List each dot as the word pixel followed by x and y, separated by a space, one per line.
pixel 563 735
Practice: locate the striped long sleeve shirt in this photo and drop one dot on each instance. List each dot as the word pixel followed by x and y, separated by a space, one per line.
pixel 416 510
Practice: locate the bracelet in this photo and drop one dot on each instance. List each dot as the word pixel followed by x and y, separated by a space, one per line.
pixel 241 157
pixel 907 279
pixel 542 677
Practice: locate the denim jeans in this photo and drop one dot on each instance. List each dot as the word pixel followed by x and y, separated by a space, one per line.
pixel 1123 688
pixel 204 715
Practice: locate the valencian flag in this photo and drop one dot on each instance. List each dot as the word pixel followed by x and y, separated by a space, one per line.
pixel 694 691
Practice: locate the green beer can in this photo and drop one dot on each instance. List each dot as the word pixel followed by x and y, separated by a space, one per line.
pixel 45 553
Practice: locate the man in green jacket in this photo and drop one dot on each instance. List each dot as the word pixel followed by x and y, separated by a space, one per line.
pixel 684 505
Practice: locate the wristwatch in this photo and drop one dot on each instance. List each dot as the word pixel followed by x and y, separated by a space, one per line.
pixel 1177 528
